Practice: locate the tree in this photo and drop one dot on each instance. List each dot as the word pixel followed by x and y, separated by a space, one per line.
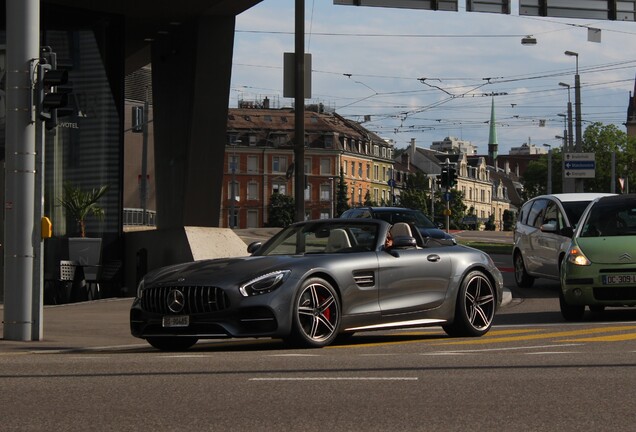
pixel 457 208
pixel 368 201
pixel 414 195
pixel 603 140
pixel 81 203
pixel 536 176
pixel 282 210
pixel 342 200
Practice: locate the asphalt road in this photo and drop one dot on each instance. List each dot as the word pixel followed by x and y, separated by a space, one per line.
pixel 531 372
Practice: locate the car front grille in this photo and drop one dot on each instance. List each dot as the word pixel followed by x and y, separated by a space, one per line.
pixel 621 293
pixel 196 299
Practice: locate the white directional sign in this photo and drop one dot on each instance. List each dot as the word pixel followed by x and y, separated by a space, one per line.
pixel 579 165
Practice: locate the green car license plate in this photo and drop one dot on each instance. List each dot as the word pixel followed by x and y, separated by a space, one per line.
pixel 176 321
pixel 619 279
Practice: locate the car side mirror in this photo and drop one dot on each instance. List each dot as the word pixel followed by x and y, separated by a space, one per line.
pixel 549 227
pixel 253 247
pixel 404 242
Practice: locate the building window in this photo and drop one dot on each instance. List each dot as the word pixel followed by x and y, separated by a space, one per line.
pixel 324 214
pixel 308 193
pixel 252 164
pixel 279 140
pixel 279 164
pixel 232 139
pixel 375 194
pixel 344 168
pixel 252 140
pixel 307 165
pixel 368 171
pixel 325 193
pixel 233 163
pixel 237 190
pixel 252 191
pixel 360 169
pixel 376 170
pixel 325 166
pixel 328 141
pixel 280 188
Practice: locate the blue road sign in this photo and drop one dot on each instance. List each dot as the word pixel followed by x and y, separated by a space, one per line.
pixel 580 164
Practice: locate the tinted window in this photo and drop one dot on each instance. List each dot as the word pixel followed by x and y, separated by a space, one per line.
pixel 414 217
pixel 574 210
pixel 523 214
pixel 535 216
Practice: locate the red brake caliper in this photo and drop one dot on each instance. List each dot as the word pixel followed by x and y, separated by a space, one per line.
pixel 327 312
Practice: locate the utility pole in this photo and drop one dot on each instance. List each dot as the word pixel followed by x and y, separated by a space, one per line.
pixel 23 36
pixel 299 110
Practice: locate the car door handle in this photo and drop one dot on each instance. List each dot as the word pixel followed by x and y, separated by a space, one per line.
pixel 433 258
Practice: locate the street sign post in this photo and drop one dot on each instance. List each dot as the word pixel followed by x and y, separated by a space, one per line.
pixel 579 165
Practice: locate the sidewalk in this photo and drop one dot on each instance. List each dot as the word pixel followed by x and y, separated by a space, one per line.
pixel 79 326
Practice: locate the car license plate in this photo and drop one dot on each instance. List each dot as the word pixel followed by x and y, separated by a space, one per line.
pixel 619 279
pixel 176 321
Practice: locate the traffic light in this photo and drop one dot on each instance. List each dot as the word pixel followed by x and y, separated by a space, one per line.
pixel 49 98
pixel 444 176
pixel 452 176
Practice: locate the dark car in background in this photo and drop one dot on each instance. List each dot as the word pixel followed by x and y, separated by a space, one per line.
pixel 393 215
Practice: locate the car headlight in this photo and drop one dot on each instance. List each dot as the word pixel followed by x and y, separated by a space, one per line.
pixel 576 257
pixel 265 283
pixel 140 288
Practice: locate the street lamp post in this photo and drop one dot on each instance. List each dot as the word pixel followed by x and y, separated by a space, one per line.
pixel 569 134
pixel 333 198
pixel 233 191
pixel 549 189
pixel 578 183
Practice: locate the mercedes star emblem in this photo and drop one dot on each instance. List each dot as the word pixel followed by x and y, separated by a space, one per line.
pixel 176 301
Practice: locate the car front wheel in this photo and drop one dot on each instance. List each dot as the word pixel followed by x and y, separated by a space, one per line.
pixel 522 278
pixel 316 314
pixel 476 305
pixel 570 312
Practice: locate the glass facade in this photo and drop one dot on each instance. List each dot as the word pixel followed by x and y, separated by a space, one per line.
pixel 85 150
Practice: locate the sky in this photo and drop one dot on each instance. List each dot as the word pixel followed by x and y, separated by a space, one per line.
pixel 425 75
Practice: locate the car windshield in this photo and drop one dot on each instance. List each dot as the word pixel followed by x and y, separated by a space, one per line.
pixel 409 216
pixel 574 210
pixel 611 218
pixel 323 237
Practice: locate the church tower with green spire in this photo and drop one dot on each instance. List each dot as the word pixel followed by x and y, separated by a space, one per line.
pixel 493 146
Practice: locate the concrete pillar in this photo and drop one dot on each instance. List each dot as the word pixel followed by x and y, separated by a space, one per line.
pixel 191 70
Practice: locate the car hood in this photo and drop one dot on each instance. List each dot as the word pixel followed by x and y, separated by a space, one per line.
pixel 609 250
pixel 225 270
pixel 434 233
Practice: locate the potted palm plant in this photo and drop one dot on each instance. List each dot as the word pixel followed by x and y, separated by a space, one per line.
pixel 79 204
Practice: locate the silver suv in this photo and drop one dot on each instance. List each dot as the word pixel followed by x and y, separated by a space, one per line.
pixel 543 232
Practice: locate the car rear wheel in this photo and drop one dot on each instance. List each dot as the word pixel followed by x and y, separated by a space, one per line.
pixel 570 312
pixel 522 278
pixel 172 343
pixel 316 314
pixel 476 305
